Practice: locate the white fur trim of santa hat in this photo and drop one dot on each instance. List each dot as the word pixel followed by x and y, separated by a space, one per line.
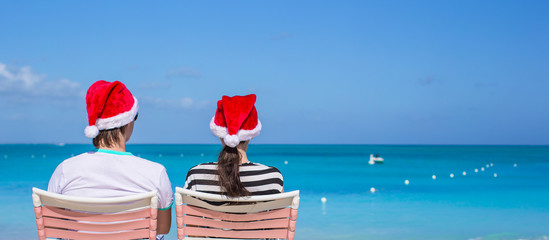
pixel 234 140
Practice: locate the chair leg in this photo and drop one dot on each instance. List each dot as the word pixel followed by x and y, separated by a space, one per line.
pixel 40 223
pixel 180 224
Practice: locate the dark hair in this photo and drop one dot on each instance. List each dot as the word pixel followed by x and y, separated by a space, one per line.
pixel 109 137
pixel 229 175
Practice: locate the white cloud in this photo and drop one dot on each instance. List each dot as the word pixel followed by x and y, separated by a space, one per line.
pixel 23 84
pixel 22 78
pixel 183 72
pixel 182 103
pixel 25 77
pixel 187 102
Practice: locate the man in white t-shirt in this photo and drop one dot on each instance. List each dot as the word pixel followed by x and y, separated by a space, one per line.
pixel 110 171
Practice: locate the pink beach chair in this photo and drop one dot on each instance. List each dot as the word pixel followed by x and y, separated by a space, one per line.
pixel 269 216
pixel 83 218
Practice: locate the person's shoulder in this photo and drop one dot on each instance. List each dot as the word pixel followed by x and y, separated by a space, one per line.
pixel 259 166
pixel 78 158
pixel 145 162
pixel 203 168
pixel 208 165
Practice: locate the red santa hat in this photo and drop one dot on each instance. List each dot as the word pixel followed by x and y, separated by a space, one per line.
pixel 110 105
pixel 236 119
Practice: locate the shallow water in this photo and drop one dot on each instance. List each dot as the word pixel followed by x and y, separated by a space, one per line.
pixel 513 205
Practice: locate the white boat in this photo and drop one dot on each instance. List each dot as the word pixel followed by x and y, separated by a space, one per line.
pixel 375 159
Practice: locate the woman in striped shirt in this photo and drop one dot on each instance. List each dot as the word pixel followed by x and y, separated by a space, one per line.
pixel 235 123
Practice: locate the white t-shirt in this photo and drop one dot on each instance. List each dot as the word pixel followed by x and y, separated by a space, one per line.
pixel 106 173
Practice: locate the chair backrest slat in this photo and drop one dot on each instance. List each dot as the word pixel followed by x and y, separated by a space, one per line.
pixel 219 223
pixel 55 212
pixel 278 213
pixel 96 227
pixel 67 234
pixel 269 216
pixel 200 231
pixel 99 207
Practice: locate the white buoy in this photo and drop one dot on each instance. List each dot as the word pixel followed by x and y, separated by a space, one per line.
pixel 373 190
pixel 491 164
pixel 202 154
pixel 464 173
pixel 515 165
pixel 495 175
pixel 286 162
pixel 487 165
pixel 476 169
pixel 323 200
pixel 434 177
pixel 451 175
pixel 406 182
pixel 482 169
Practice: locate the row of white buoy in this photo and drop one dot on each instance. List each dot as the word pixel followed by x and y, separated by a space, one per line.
pixel 464 173
pixel 32 156
pixel 434 177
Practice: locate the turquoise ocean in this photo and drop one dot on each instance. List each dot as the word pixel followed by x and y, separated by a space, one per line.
pixel 508 200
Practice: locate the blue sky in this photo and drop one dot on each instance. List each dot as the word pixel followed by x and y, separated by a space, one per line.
pixel 325 72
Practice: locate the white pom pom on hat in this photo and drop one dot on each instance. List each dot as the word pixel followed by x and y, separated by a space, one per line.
pixel 231 140
pixel 236 119
pixel 91 131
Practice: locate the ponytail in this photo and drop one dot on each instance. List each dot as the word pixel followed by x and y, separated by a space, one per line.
pixel 228 169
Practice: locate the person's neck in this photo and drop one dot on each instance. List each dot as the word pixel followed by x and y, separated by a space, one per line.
pixel 120 147
pixel 243 156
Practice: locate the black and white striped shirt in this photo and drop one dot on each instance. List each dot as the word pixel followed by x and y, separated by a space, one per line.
pixel 257 178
